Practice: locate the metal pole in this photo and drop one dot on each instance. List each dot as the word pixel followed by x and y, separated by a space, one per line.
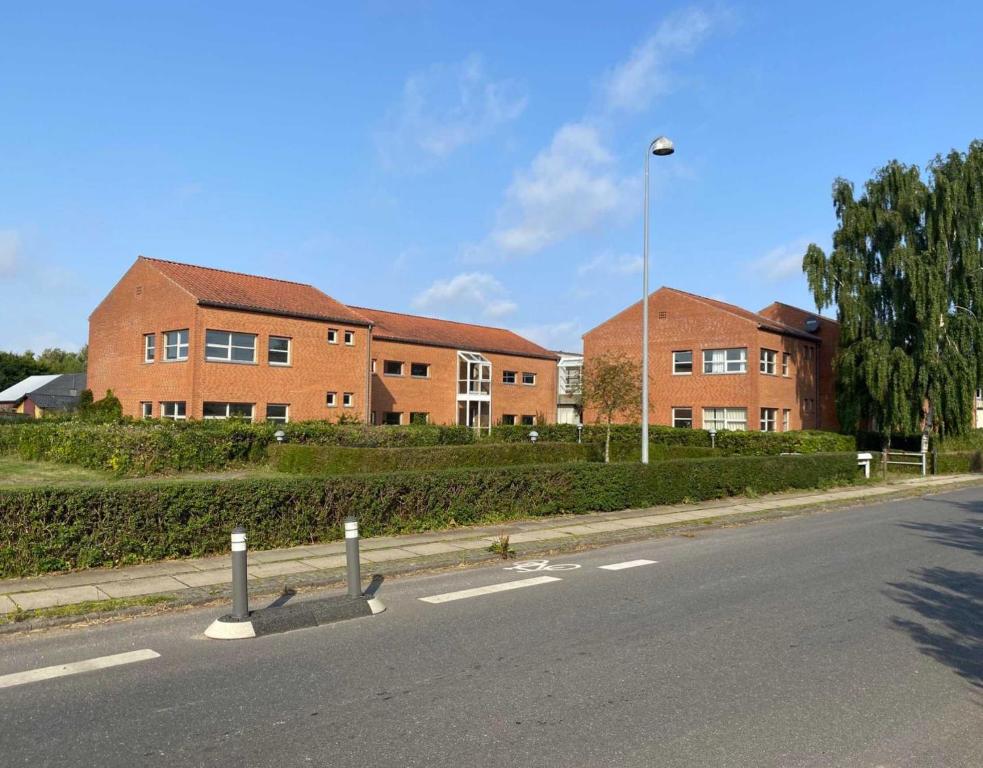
pixel 351 554
pixel 240 591
pixel 645 318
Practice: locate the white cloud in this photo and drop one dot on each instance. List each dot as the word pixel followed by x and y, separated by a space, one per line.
pixel 570 187
pixel 781 262
pixel 634 83
pixel 444 108
pixel 559 336
pixel 10 253
pixel 610 264
pixel 467 294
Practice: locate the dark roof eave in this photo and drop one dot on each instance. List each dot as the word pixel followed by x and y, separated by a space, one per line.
pixel 790 332
pixel 284 313
pixel 462 347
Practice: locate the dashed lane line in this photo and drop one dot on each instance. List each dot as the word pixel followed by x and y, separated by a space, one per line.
pixel 63 670
pixel 626 564
pixel 490 589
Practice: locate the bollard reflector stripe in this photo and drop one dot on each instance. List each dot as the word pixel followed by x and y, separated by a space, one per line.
pixel 351 534
pixel 238 538
pixel 238 546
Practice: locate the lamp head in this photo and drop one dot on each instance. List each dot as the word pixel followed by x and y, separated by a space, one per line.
pixel 662 146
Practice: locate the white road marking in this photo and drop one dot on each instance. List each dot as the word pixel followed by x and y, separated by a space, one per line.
pixel 492 588
pixel 627 564
pixel 89 665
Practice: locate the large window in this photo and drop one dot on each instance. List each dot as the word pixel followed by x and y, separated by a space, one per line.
pixel 768 360
pixel 768 418
pixel 173 411
pixel 149 347
pixel 227 411
pixel 278 351
pixel 725 418
pixel 392 417
pixel 682 362
pixel 176 345
pixel 725 360
pixel 682 417
pixel 230 347
pixel 420 370
pixel 392 367
pixel 278 413
pixel 508 377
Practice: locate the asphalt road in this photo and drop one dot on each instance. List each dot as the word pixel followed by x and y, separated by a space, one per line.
pixel 847 638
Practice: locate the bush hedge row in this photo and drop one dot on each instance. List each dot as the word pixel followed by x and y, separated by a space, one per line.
pixel 66 527
pixel 959 462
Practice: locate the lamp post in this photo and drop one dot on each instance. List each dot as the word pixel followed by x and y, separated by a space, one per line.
pixel 661 147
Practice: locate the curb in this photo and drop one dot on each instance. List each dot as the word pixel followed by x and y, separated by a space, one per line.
pixel 287 618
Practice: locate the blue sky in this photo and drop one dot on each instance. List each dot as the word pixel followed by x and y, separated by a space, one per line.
pixel 471 161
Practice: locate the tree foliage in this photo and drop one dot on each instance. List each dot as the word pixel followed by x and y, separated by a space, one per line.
pixel 17 367
pixel 612 388
pixel 906 277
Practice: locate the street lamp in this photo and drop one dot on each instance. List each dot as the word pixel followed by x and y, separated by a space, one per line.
pixel 533 436
pixel 661 147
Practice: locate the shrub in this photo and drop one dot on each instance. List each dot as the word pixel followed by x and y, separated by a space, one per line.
pixel 65 527
pixel 958 462
pixel 333 460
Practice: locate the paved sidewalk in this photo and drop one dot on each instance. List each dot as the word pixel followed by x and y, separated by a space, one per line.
pixel 324 561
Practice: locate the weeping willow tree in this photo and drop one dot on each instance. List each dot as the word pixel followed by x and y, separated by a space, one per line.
pixel 906 278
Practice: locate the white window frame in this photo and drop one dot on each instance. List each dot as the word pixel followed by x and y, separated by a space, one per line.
pixel 402 368
pixel 277 419
pixel 399 416
pixel 169 410
pixel 508 377
pixel 419 376
pixel 146 409
pixel 676 418
pixel 530 375
pixel 425 414
pixel 769 420
pixel 767 361
pixel 349 338
pixel 332 335
pixel 676 362
pixel 229 347
pixel 228 411
pixel 348 400
pixel 289 350
pixel 511 416
pixel 786 358
pixel 149 347
pixel 725 361
pixel 178 345
pixel 722 417
pixel 786 419
pixel 531 420
pixel 331 399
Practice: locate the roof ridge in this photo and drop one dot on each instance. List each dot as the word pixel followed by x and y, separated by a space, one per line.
pixel 730 306
pixel 437 319
pixel 231 272
pixel 807 311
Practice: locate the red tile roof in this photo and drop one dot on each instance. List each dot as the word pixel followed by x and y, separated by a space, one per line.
pixel 765 323
pixel 234 290
pixel 396 326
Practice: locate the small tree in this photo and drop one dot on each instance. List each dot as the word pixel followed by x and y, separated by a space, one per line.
pixel 611 387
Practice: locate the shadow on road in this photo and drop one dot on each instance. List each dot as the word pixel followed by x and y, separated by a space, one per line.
pixel 949 601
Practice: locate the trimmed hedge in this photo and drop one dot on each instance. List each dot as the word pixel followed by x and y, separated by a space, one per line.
pixel 959 462
pixel 67 527
pixel 334 460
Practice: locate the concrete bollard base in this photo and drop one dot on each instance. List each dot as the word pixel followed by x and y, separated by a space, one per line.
pixel 286 618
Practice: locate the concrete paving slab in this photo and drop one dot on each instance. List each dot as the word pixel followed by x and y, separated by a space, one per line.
pixel 52 597
pixel 475 543
pixel 205 578
pixel 266 570
pixel 275 555
pixel 545 535
pixel 23 585
pixel 576 530
pixel 384 555
pixel 434 548
pixel 165 568
pixel 608 525
pixel 151 585
pixel 6 605
pixel 331 561
pixel 320 550
pixel 84 578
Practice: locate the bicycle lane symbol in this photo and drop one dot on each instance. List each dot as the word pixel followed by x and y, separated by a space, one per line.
pixel 532 566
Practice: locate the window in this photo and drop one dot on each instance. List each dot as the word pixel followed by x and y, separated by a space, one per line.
pixel 350 338
pixel 682 363
pixel 174 411
pixel 176 345
pixel 332 335
pixel 768 419
pixel 682 417
pixel 420 370
pixel 392 368
pixel 528 420
pixel 331 399
pixel 372 418
pixel 229 347
pixel 146 410
pixel 227 411
pixel 149 347
pixel 785 359
pixel 508 377
pixel 373 365
pixel 725 360
pixel 786 418
pixel 278 352
pixel 419 417
pixel 725 418
pixel 277 413
pixel 348 400
pixel 768 358
pixel 392 417
pixel 508 419
pixel 808 405
pixel 529 378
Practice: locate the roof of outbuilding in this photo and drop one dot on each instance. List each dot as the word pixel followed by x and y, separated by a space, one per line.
pixel 397 326
pixel 251 293
pixel 22 389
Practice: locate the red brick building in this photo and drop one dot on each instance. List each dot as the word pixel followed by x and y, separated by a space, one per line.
pixel 713 365
pixel 180 341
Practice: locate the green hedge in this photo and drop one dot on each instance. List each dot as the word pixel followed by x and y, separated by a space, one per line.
pixel 959 462
pixel 334 460
pixel 67 527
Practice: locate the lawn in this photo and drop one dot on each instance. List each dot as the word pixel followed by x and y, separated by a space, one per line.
pixel 17 471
